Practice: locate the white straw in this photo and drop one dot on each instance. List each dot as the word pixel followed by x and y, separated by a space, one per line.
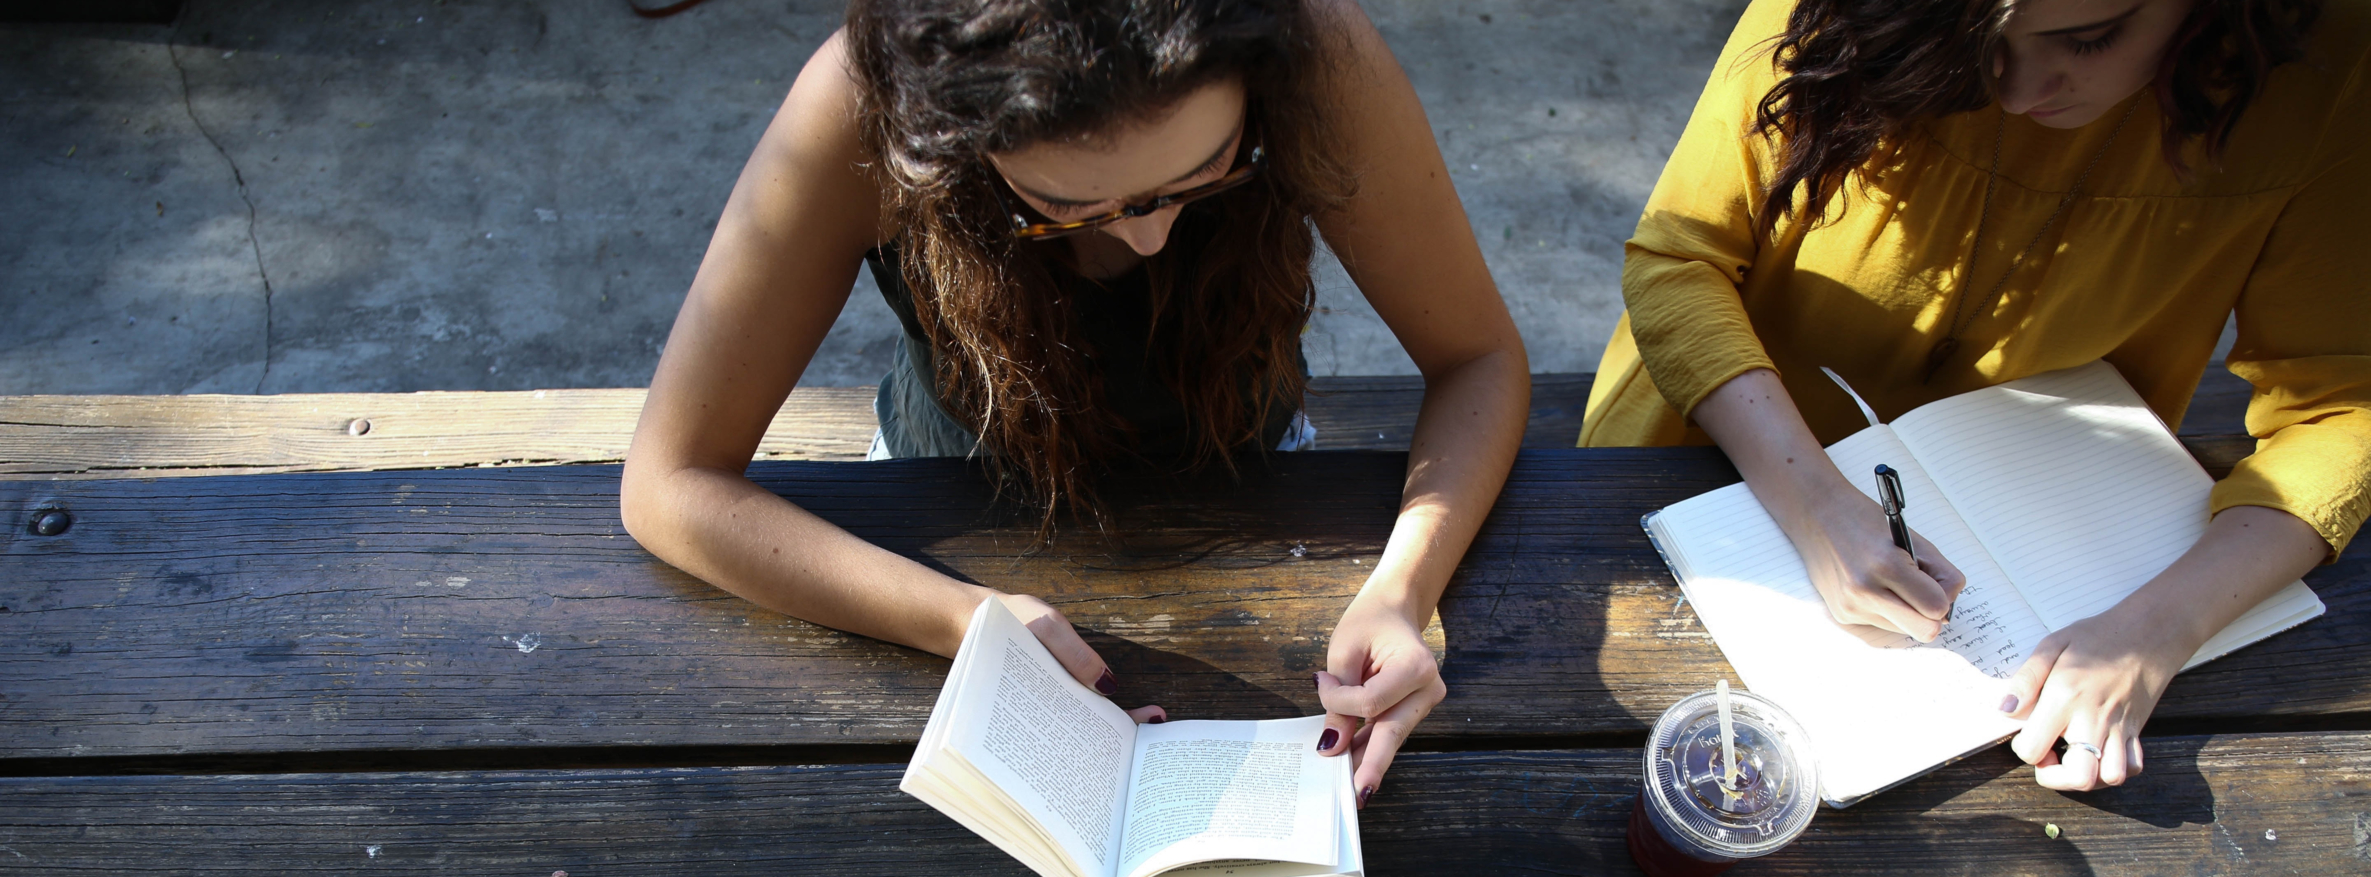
pixel 1728 740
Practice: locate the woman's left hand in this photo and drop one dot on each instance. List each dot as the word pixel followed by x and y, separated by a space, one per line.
pixel 2092 682
pixel 1380 671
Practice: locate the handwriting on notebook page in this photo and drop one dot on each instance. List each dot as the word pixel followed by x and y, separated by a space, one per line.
pixel 1980 635
pixel 1980 632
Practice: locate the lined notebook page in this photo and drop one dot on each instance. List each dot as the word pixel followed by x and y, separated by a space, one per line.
pixel 1879 707
pixel 1991 625
pixel 2071 481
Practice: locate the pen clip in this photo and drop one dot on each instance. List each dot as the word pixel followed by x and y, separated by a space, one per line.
pixel 1889 492
pixel 1889 489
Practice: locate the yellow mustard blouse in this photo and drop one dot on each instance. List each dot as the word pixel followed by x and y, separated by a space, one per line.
pixel 2142 270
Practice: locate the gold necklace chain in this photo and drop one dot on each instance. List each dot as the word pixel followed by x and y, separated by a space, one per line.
pixel 1961 314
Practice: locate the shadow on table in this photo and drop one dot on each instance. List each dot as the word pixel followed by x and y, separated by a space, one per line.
pixel 1189 688
pixel 1984 844
pixel 1973 817
pixel 1984 815
pixel 2170 793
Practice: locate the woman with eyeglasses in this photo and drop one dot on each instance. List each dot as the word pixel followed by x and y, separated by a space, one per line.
pixel 1095 221
pixel 1935 196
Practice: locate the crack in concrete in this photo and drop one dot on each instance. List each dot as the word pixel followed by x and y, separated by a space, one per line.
pixel 172 51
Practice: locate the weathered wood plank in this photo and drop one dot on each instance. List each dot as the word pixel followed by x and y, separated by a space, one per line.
pixel 2204 807
pixel 116 436
pixel 1379 413
pixel 502 608
pixel 119 436
pixel 53 437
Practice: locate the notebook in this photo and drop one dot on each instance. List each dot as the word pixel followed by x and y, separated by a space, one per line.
pixel 2057 494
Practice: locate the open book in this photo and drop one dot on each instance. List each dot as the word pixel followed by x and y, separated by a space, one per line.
pixel 2057 494
pixel 1052 773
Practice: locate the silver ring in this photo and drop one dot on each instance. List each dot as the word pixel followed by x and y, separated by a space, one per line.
pixel 2094 750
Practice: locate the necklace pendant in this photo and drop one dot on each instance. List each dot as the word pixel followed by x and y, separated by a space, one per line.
pixel 1938 356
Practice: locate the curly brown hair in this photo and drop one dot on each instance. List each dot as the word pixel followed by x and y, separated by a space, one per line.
pixel 944 83
pixel 1860 74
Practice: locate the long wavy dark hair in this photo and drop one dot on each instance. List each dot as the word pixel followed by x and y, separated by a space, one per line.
pixel 944 83
pixel 1860 74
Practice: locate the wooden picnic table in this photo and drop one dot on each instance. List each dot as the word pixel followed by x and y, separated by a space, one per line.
pixel 475 670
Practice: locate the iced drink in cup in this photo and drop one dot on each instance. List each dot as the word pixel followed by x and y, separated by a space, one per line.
pixel 1694 815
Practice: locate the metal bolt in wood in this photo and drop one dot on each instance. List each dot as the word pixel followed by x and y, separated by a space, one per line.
pixel 51 522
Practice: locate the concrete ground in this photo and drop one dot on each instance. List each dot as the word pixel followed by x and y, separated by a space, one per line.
pixel 277 196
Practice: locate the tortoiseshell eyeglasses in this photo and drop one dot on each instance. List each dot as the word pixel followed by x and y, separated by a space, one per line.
pixel 1037 231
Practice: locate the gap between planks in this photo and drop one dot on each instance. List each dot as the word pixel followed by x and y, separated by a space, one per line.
pixel 2208 805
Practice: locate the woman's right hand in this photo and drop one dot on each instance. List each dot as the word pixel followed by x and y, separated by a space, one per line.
pixel 1055 633
pixel 1840 531
pixel 1863 577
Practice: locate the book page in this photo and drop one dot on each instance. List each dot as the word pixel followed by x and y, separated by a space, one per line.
pixel 948 786
pixel 1203 791
pixel 1879 707
pixel 1057 749
pixel 1349 855
pixel 2074 485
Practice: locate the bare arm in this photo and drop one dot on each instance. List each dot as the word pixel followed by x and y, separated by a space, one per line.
pixel 2097 680
pixel 1842 536
pixel 775 277
pixel 1406 242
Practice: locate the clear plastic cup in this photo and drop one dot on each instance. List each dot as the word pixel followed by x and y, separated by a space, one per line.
pixel 1687 822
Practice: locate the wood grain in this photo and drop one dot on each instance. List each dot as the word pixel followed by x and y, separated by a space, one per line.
pixel 58 437
pixel 1379 413
pixel 505 609
pixel 119 436
pixel 147 436
pixel 2205 807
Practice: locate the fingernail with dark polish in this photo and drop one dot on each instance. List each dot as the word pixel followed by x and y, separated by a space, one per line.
pixel 1107 684
pixel 1362 796
pixel 1157 720
pixel 2009 704
pixel 1316 681
pixel 1326 740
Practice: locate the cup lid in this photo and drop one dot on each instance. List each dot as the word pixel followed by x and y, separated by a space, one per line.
pixel 1777 786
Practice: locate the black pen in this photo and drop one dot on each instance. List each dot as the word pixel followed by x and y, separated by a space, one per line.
pixel 1889 494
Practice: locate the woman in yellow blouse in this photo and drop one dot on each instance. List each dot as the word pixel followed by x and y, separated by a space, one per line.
pixel 2004 189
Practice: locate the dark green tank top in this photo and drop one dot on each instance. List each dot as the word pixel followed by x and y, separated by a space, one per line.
pixel 1114 317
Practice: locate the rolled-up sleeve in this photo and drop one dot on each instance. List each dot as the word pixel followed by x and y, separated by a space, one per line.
pixel 2305 343
pixel 1696 239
